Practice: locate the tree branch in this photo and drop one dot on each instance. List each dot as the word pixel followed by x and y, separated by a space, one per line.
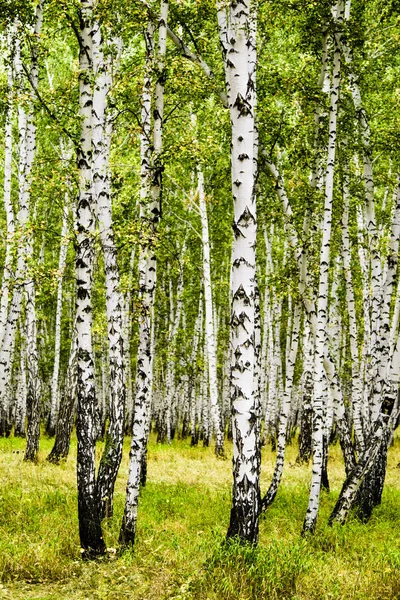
pixel 51 114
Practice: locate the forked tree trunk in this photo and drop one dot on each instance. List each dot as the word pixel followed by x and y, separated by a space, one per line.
pixel 101 143
pixel 351 486
pixel 384 390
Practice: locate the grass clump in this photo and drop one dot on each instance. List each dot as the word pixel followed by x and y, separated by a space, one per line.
pixel 238 570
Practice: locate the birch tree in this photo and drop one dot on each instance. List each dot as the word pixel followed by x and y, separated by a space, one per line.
pixel 91 537
pixel 320 387
pixel 55 389
pixel 151 172
pixel 237 34
pixel 101 143
pixel 9 209
pixel 209 320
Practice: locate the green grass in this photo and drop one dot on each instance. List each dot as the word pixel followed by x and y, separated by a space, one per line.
pixel 180 551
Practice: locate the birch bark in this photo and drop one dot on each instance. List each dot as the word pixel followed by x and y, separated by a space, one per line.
pixel 150 193
pixel 285 410
pixel 352 484
pixel 24 170
pixel 20 409
pixel 237 26
pixel 101 142
pixel 129 408
pixel 309 305
pixel 211 341
pixel 65 418
pixel 307 386
pixel 357 387
pixel 175 316
pixel 322 305
pixel 92 543
pixel 33 382
pixel 9 209
pixel 55 389
pixel 371 358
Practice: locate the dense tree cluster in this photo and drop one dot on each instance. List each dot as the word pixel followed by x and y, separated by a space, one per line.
pixel 200 235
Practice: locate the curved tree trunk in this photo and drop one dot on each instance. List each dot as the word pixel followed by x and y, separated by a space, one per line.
pixel 151 182
pixel 285 410
pixel 65 419
pixel 351 486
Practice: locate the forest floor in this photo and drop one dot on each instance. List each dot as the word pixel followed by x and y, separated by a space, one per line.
pixel 183 517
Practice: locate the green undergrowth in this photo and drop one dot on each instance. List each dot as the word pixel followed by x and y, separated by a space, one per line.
pixel 180 550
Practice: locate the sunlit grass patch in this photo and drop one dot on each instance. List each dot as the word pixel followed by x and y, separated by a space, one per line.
pixel 180 550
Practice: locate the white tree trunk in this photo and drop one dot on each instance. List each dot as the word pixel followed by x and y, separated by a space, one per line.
pixel 101 142
pixel 20 409
pixel 319 396
pixel 285 409
pixel 174 323
pixel 55 388
pixel 210 334
pixel 193 378
pixel 151 172
pixel 65 417
pixel 91 537
pixel 275 369
pixel 27 156
pixel 353 482
pixel 129 408
pixel 300 252
pixel 8 150
pixel 240 65
pixel 357 387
